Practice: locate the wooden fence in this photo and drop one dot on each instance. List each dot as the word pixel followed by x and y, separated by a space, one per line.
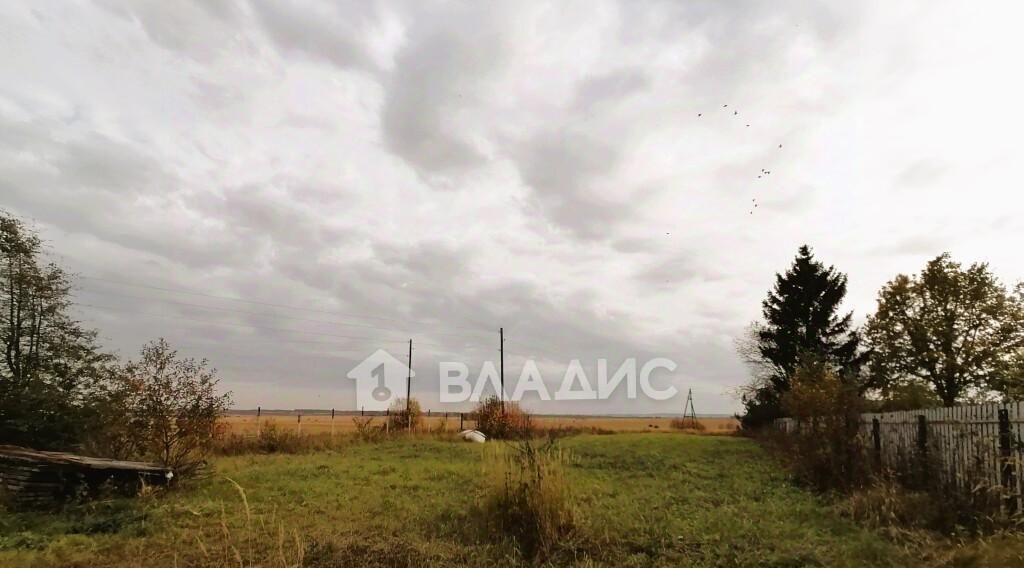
pixel 972 448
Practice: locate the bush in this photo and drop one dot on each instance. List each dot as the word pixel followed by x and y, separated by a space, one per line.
pixel 761 407
pixel 502 420
pixel 402 416
pixel 163 408
pixel 528 498
pixel 366 431
pixel 826 450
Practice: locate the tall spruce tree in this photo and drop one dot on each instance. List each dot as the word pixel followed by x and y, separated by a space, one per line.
pixel 801 321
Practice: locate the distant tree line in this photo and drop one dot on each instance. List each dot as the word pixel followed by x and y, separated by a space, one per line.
pixel 948 335
pixel 60 391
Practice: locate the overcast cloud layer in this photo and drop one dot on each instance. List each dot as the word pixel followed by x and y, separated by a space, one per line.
pixel 436 170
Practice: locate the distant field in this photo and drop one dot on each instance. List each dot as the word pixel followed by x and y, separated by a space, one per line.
pixel 320 424
pixel 644 500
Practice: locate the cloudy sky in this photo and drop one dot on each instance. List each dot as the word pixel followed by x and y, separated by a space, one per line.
pixel 361 173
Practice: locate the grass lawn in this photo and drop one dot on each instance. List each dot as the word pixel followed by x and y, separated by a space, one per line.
pixel 643 499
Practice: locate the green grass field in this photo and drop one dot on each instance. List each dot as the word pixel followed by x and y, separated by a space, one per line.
pixel 643 499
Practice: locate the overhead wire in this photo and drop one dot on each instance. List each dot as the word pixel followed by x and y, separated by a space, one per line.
pixel 263 314
pixel 251 326
pixel 270 304
pixel 276 315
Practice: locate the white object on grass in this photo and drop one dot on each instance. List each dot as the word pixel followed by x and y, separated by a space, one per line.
pixel 473 436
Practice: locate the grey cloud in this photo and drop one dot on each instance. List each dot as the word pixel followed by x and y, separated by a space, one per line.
pixel 635 245
pixel 672 271
pixel 546 125
pixel 92 184
pixel 920 174
pixel 930 245
pixel 438 71
pixel 196 28
pixel 325 30
pixel 750 41
pixel 613 86
pixel 274 212
pixel 567 170
pixel 790 200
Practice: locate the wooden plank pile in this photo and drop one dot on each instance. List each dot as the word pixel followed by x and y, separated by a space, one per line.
pixel 34 478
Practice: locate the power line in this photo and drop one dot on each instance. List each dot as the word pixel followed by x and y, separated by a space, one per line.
pixel 249 326
pixel 232 310
pixel 269 304
pixel 284 306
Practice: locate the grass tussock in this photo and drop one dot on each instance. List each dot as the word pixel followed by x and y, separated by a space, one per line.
pixel 528 499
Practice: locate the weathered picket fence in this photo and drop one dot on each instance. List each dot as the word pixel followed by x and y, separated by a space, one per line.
pixel 967 447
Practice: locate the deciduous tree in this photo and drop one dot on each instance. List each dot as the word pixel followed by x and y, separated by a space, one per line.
pixel 51 364
pixel 956 329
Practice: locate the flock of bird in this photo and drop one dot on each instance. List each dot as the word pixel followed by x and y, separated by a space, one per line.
pixel 764 172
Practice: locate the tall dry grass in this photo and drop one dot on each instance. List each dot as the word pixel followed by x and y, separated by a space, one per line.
pixel 275 440
pixel 686 423
pixel 528 498
pixel 260 541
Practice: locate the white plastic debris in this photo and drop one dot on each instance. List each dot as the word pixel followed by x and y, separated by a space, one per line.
pixel 473 436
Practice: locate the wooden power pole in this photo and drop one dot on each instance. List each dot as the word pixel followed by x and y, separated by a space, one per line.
pixel 501 355
pixel 408 390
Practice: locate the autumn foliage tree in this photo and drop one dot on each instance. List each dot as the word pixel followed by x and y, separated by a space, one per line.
pixel 955 329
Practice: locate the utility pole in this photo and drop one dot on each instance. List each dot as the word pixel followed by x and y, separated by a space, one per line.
pixel 501 351
pixel 408 390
